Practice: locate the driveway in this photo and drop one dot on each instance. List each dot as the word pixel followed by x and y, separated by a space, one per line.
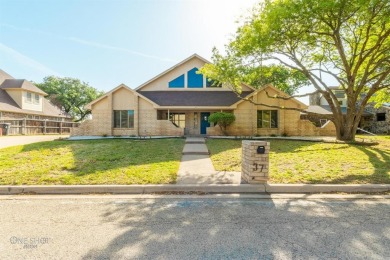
pixel 7 141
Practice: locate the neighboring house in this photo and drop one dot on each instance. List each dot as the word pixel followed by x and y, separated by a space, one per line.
pixel 374 120
pixel 20 99
pixel 179 101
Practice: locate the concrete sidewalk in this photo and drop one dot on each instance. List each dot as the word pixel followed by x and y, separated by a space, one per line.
pixel 196 166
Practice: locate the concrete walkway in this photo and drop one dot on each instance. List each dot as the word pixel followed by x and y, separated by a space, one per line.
pixel 7 141
pixel 196 166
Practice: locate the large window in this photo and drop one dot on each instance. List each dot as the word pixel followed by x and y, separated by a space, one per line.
pixel 123 118
pixel 178 119
pixel 267 119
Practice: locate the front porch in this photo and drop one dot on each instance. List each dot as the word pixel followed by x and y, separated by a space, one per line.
pixel 193 122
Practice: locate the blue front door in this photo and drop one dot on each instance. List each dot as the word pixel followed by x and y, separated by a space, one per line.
pixel 204 122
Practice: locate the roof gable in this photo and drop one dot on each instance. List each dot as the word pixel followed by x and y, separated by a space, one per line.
pixel 21 84
pixel 89 105
pixel 200 61
pixel 270 86
pixel 4 75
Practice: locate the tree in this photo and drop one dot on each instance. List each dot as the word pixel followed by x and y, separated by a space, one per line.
pixel 348 40
pixel 70 94
pixel 286 79
pixel 223 119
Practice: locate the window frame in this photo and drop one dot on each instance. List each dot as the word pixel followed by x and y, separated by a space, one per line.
pixel 127 122
pixel 178 119
pixel 270 113
pixel 29 97
pixel 36 101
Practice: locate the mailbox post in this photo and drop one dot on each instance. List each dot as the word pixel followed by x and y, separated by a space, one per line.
pixel 255 161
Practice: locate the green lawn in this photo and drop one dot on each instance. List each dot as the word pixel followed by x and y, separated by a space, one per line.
pixel 312 162
pixel 92 162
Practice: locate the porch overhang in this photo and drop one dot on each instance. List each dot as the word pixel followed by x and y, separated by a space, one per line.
pixel 193 108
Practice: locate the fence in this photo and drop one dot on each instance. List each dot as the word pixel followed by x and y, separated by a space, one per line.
pixel 36 126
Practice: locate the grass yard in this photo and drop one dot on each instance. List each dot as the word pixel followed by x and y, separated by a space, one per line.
pixel 312 162
pixel 92 162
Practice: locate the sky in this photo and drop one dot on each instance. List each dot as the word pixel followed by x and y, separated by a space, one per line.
pixel 109 42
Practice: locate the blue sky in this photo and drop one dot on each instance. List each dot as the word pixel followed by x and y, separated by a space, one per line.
pixel 106 43
pixel 109 42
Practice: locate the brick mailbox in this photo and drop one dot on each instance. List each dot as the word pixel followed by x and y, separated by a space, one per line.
pixel 255 161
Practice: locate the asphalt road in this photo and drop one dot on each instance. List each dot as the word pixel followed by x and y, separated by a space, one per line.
pixel 109 227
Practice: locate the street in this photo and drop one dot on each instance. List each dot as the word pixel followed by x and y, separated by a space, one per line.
pixel 192 227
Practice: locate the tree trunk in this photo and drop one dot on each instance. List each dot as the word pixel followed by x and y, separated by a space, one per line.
pixel 346 129
pixel 345 133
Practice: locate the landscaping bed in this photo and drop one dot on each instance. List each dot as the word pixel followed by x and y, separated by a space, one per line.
pixel 92 162
pixel 314 162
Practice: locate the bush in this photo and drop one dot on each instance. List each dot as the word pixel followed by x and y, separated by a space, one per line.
pixel 223 119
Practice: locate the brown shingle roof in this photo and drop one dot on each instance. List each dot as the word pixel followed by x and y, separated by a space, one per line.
pixel 21 84
pixel 193 98
pixel 4 75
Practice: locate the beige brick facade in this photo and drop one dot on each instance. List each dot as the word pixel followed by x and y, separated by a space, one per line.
pixel 150 119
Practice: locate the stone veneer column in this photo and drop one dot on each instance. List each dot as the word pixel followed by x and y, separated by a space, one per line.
pixel 254 166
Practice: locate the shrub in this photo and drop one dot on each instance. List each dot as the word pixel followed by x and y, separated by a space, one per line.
pixel 223 119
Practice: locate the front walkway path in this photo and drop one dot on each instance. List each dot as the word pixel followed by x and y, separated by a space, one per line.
pixel 196 166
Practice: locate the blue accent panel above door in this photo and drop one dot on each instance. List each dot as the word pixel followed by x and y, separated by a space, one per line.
pixel 177 82
pixel 194 80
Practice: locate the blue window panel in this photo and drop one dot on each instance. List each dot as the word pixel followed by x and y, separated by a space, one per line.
pixel 212 84
pixel 194 80
pixel 177 82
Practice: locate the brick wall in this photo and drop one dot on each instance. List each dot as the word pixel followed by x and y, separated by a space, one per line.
pixel 255 166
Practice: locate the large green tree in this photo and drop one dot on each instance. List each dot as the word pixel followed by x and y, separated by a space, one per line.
pixel 70 94
pixel 348 40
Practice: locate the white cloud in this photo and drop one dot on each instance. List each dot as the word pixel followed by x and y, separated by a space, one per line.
pixel 114 48
pixel 88 43
pixel 26 61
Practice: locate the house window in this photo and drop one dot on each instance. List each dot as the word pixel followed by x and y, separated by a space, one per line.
pixel 267 118
pixel 380 116
pixel 36 99
pixel 178 119
pixel 29 97
pixel 123 118
pixel 194 80
pixel 177 82
pixel 339 93
pixel 212 84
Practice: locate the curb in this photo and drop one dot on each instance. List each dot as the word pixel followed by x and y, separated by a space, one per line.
pixel 130 189
pixel 328 188
pixel 190 188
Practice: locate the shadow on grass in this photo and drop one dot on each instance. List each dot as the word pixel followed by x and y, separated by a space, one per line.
pixel 244 229
pixel 377 156
pixel 122 160
pixel 379 159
